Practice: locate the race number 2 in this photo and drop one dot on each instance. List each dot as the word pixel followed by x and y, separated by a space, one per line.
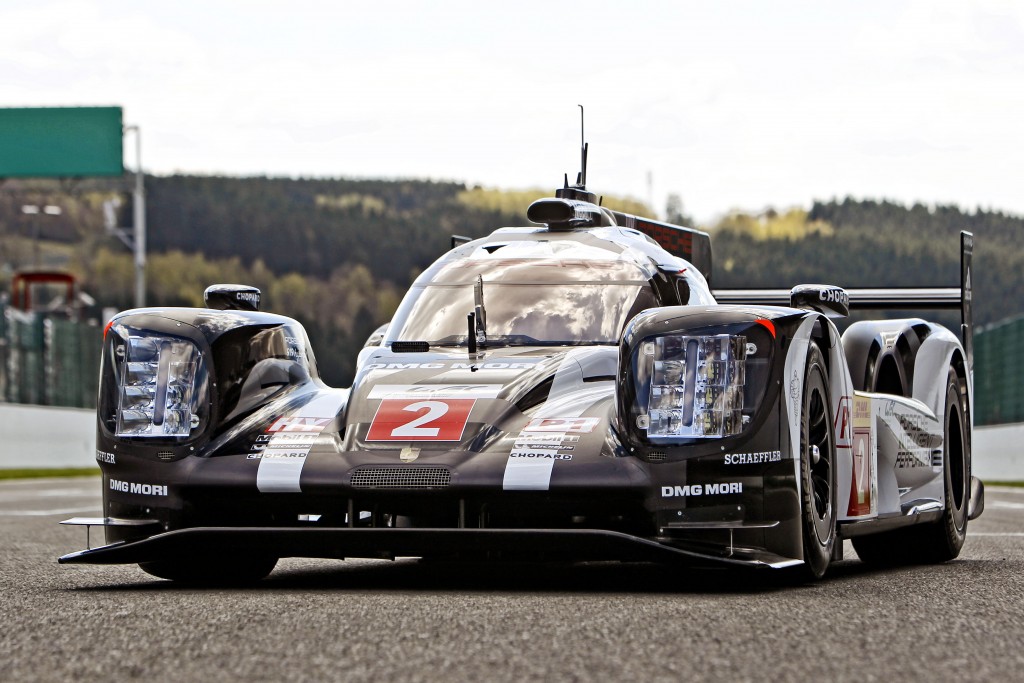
pixel 426 419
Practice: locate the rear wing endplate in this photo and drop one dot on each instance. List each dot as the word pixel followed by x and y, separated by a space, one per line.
pixel 890 298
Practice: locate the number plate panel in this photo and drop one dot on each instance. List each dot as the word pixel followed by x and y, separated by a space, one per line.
pixel 425 419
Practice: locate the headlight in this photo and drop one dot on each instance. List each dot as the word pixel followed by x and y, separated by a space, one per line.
pixel 703 383
pixel 157 386
pixel 696 388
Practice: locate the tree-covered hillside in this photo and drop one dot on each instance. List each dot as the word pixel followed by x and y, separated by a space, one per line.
pixel 394 228
pixel 875 244
pixel 337 254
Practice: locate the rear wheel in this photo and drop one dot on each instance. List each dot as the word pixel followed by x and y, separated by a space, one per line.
pixel 942 540
pixel 212 571
pixel 817 468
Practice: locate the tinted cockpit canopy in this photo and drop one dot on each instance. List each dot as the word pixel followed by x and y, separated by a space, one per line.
pixel 534 292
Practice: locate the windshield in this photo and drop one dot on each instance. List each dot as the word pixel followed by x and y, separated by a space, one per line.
pixel 526 302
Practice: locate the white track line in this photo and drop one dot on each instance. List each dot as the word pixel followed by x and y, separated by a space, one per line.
pixel 35 495
pixel 43 513
pixel 1005 505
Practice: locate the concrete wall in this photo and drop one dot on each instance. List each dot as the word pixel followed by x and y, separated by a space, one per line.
pixel 44 437
pixel 39 436
pixel 999 453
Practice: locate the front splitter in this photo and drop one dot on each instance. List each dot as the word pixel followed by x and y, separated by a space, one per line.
pixel 344 542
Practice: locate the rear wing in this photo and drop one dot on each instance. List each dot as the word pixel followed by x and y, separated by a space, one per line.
pixel 890 298
pixel 688 243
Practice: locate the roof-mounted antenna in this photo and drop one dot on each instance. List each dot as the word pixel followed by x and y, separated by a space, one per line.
pixel 578 191
pixel 583 152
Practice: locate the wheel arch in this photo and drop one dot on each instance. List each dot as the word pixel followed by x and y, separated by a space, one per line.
pixel 882 354
pixel 939 351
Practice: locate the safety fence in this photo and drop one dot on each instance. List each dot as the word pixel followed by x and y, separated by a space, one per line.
pixel 48 360
pixel 999 373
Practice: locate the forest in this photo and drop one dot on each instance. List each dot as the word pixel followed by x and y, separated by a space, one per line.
pixel 337 254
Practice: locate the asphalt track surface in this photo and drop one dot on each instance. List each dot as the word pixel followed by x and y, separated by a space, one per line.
pixel 412 621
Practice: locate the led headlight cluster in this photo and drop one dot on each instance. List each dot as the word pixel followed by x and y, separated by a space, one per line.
pixel 157 387
pixel 697 385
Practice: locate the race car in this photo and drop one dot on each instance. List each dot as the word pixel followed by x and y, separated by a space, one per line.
pixel 574 390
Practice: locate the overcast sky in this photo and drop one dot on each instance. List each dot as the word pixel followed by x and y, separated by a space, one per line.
pixel 729 104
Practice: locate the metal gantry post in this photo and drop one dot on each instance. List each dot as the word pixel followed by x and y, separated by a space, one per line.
pixel 139 221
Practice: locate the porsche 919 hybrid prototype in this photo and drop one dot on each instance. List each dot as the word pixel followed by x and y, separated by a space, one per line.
pixel 570 391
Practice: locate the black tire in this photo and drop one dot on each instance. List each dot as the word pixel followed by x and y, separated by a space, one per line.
pixel 817 468
pixel 212 571
pixel 942 540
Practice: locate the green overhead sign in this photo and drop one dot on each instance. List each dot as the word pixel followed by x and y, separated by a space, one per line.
pixel 61 142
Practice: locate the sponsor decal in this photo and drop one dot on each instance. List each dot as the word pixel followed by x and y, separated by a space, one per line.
pixel 860 484
pixel 435 391
pixel 540 453
pixel 753 458
pixel 275 453
pixel 299 424
pixel 294 348
pixel 103 456
pixel 294 439
pixel 537 447
pixel 276 448
pixel 863 482
pixel 862 408
pixel 544 436
pixel 288 437
pixel 910 459
pixel 420 419
pixel 915 435
pixel 572 425
pixel 304 444
pixel 138 489
pixel 693 490
pixel 495 365
pixel 843 425
pixel 916 428
pixel 250 297
pixel 835 296
pixel 289 440
pixel 546 439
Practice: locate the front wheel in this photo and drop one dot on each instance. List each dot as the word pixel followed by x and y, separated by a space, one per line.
pixel 817 468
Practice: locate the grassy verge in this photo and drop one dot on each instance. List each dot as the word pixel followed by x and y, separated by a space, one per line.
pixel 50 472
pixel 1018 484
